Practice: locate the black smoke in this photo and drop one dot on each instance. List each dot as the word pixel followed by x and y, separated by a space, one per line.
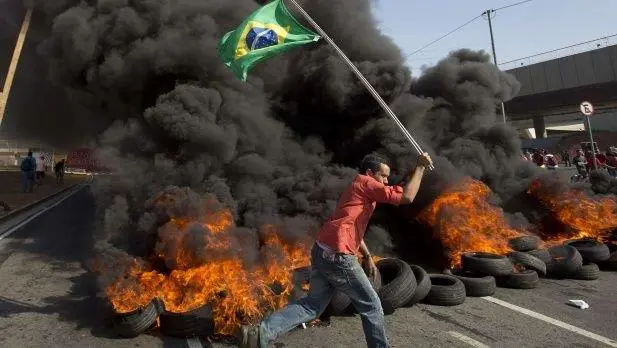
pixel 280 148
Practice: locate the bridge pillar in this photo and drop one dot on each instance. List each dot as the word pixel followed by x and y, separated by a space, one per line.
pixel 539 126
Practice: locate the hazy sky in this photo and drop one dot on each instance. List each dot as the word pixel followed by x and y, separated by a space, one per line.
pixel 520 31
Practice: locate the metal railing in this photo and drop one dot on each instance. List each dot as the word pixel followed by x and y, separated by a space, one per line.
pixel 560 52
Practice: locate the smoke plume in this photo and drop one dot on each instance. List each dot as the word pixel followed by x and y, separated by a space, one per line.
pixel 280 148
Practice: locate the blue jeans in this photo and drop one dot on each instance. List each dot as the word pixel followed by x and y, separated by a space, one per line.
pixel 27 181
pixel 329 272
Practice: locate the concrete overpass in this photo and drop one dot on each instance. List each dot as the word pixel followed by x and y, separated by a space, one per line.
pixel 552 90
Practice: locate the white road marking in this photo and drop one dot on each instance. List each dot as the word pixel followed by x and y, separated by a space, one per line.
pixel 193 343
pixel 467 339
pixel 41 212
pixel 609 342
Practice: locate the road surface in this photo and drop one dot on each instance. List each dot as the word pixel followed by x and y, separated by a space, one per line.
pixel 48 299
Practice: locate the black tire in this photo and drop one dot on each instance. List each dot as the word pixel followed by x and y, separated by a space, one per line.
pixel 424 285
pixel 487 264
pixel 528 261
pixel 591 250
pixel 542 254
pixel 565 261
pixel 398 284
pixel 524 243
pixel 198 322
pixel 340 304
pixel 611 263
pixel 134 323
pixel 589 271
pixel 477 286
pixel 446 290
pixel 527 279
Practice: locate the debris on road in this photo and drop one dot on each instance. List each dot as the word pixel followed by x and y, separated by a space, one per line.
pixel 578 303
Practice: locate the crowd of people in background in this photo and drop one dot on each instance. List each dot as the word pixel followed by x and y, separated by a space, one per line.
pixel 33 172
pixel 581 160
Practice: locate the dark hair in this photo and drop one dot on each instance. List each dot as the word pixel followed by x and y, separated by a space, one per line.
pixel 30 153
pixel 372 162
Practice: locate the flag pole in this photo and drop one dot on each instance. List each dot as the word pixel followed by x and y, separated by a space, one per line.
pixel 366 83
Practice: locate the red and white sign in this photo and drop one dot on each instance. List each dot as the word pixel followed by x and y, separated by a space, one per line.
pixel 84 159
pixel 586 108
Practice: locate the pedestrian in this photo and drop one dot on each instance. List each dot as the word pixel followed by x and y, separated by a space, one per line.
pixel 334 257
pixel 40 170
pixel 28 168
pixel 566 158
pixel 59 171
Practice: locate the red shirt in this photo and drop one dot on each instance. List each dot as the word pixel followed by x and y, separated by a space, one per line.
pixel 345 229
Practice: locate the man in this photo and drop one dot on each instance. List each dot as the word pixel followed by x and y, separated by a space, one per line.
pixel 40 169
pixel 28 167
pixel 334 258
pixel 59 171
pixel 580 163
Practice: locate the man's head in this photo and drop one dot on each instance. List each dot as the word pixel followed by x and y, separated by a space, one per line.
pixel 29 153
pixel 375 167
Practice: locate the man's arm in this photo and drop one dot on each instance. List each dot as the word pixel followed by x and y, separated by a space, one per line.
pixel 364 250
pixel 410 190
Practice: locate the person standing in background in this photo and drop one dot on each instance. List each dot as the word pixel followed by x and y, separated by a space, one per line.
pixel 28 168
pixel 40 170
pixel 59 171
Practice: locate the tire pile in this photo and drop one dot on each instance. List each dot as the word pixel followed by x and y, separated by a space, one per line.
pixel 401 285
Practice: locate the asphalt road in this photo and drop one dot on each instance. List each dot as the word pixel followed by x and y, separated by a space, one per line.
pixel 49 299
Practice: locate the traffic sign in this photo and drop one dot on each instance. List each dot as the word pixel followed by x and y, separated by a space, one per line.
pixel 586 108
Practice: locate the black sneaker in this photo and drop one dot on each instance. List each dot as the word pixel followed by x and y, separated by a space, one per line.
pixel 247 336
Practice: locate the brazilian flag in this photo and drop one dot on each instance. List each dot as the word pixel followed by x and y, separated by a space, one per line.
pixel 269 31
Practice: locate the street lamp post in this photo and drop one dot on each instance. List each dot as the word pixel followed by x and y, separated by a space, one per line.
pixel 490 28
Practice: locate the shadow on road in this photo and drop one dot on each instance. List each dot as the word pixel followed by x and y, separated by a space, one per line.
pixel 62 242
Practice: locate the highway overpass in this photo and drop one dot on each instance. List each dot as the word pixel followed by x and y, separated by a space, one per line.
pixel 551 91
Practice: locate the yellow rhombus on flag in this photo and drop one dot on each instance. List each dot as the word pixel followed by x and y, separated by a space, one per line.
pixel 269 31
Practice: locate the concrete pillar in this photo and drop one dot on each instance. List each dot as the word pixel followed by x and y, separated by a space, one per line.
pixel 539 127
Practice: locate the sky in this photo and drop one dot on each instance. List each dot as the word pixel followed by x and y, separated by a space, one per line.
pixel 520 31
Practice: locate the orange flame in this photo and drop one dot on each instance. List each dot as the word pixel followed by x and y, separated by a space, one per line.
pixel 585 216
pixel 464 221
pixel 238 293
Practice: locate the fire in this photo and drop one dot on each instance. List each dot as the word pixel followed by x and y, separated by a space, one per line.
pixel 585 216
pixel 214 274
pixel 464 221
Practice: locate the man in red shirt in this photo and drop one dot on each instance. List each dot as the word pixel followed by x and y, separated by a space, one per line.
pixel 334 258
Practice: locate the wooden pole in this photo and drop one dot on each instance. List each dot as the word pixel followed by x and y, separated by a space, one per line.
pixel 10 75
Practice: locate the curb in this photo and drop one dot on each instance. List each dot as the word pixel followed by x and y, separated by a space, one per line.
pixel 29 206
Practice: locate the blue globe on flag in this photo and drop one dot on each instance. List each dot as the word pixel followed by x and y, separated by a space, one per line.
pixel 258 38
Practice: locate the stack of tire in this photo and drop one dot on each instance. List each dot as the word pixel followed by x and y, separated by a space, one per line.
pixel 482 272
pixel 198 322
pixel 574 259
pixel 399 284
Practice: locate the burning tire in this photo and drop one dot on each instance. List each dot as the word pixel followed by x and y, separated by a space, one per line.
pixel 589 271
pixel 398 284
pixel 527 279
pixel 198 322
pixel 524 243
pixel 477 286
pixel 487 264
pixel 565 261
pixel 528 261
pixel 424 285
pixel 446 290
pixel 134 323
pixel 541 254
pixel 591 250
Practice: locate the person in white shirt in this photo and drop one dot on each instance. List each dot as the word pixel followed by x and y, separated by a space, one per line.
pixel 40 169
